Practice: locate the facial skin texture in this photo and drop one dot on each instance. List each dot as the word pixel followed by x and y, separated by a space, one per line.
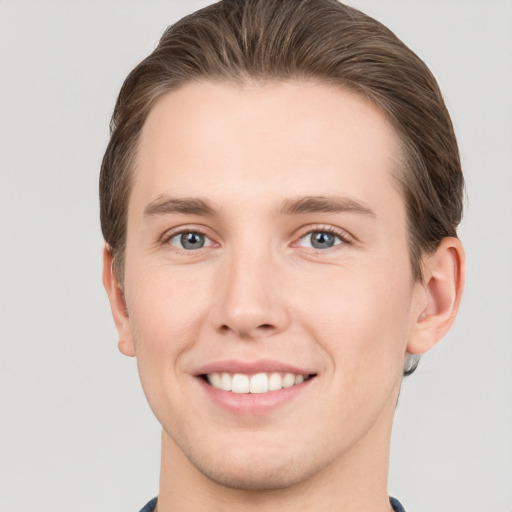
pixel 348 314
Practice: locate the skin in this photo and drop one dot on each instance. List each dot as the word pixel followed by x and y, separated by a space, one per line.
pixel 350 313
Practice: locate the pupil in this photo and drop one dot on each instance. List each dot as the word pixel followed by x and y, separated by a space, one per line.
pixel 192 240
pixel 321 240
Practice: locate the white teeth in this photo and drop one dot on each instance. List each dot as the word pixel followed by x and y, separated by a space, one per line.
pixel 225 382
pixel 258 383
pixel 216 380
pixel 275 382
pixel 289 380
pixel 240 383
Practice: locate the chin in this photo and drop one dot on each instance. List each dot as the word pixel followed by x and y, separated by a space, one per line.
pixel 253 465
pixel 251 476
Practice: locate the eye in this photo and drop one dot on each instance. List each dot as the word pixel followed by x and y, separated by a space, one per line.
pixel 320 240
pixel 190 240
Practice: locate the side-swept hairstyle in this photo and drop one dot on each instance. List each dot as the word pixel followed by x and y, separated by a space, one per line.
pixel 240 41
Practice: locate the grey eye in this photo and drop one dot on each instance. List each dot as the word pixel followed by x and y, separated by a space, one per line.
pixel 190 241
pixel 320 240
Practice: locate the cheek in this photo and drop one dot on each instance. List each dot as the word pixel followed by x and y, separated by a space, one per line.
pixel 165 312
pixel 166 316
pixel 362 319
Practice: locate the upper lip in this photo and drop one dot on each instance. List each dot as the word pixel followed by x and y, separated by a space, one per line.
pixel 251 367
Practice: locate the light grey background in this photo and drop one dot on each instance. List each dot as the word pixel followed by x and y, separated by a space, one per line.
pixel 75 431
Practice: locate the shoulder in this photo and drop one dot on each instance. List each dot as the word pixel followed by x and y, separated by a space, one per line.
pixel 150 506
pixel 397 506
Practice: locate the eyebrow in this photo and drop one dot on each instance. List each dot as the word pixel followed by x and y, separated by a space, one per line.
pixel 324 204
pixel 186 206
pixel 302 205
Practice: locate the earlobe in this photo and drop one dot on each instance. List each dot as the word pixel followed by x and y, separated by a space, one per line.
pixel 444 273
pixel 117 305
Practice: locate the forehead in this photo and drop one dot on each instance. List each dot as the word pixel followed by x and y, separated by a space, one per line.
pixel 265 140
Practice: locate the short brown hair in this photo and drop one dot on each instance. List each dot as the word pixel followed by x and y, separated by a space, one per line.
pixel 275 40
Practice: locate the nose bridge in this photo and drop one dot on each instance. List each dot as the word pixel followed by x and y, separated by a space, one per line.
pixel 250 303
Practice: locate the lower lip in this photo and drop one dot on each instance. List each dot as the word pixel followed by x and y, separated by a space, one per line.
pixel 254 403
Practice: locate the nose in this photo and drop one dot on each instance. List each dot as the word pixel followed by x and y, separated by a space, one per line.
pixel 251 298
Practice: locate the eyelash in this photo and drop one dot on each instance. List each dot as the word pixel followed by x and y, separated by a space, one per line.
pixel 342 235
pixel 167 237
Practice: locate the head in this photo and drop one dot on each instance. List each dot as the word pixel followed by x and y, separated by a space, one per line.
pixel 294 54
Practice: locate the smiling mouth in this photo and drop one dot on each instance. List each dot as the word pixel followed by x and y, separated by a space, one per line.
pixel 257 383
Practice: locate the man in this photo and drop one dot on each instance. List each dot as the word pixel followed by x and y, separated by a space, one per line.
pixel 279 201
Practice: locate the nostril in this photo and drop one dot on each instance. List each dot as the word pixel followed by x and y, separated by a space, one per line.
pixel 248 331
pixel 265 327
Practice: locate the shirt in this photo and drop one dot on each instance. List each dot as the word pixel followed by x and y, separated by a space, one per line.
pixel 397 507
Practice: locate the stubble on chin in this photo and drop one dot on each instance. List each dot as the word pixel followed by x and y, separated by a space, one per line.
pixel 249 477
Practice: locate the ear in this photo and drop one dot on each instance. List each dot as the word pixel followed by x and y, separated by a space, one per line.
pixel 117 305
pixel 443 282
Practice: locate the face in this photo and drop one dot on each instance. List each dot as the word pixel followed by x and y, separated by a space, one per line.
pixel 268 288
